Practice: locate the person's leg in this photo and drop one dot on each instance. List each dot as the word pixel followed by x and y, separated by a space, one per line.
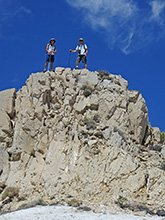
pixel 84 59
pixel 46 64
pixel 52 61
pixel 77 63
pixel 51 66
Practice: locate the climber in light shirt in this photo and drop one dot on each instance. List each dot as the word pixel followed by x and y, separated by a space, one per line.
pixel 82 53
pixel 50 51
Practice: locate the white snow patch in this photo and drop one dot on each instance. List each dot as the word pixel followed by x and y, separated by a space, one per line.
pixel 68 213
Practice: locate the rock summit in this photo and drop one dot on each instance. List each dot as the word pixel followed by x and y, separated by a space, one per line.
pixel 81 138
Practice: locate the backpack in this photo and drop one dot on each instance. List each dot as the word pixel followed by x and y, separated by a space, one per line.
pixel 79 50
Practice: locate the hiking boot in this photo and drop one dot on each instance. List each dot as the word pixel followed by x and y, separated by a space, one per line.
pixel 76 68
pixel 44 71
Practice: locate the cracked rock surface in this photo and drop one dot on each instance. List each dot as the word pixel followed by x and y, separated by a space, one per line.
pixel 81 135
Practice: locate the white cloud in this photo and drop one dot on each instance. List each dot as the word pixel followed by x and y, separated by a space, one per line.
pixel 125 25
pixel 7 12
pixel 157 8
pixel 128 43
pixel 22 9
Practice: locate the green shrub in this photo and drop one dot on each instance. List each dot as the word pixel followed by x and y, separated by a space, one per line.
pixel 162 136
pixel 121 202
pixel 74 202
pixel 85 120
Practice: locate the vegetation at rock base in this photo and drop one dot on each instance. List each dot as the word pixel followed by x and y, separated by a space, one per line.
pixel 162 136
pixel 74 202
pixel 121 201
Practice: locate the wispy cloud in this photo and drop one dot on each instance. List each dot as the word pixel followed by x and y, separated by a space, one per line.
pixel 7 13
pixel 158 10
pixel 125 25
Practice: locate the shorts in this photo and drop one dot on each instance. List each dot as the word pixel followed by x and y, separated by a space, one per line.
pixel 50 58
pixel 82 57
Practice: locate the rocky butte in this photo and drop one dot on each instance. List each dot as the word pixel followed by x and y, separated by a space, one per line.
pixel 79 138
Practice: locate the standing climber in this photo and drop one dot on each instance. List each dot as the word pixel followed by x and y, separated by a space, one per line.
pixel 82 53
pixel 50 51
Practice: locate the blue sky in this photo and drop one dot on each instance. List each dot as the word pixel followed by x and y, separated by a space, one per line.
pixel 125 37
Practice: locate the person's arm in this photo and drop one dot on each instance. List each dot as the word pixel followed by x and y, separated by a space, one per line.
pixel 55 50
pixel 86 52
pixel 73 51
pixel 86 49
pixel 47 47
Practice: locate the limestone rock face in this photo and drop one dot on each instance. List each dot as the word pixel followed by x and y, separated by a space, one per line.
pixel 78 134
pixel 7 101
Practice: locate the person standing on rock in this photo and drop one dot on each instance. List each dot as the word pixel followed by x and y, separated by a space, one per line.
pixel 50 51
pixel 82 53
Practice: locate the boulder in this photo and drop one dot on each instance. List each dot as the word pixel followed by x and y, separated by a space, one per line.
pixel 81 104
pixel 138 119
pixel 163 151
pixel 7 101
pixel 5 125
pixel 88 79
pixel 156 135
pixel 3 156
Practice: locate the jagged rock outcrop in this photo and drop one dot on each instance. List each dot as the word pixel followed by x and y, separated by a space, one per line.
pixel 78 134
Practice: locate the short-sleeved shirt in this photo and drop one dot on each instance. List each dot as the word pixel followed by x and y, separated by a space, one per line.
pixel 81 49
